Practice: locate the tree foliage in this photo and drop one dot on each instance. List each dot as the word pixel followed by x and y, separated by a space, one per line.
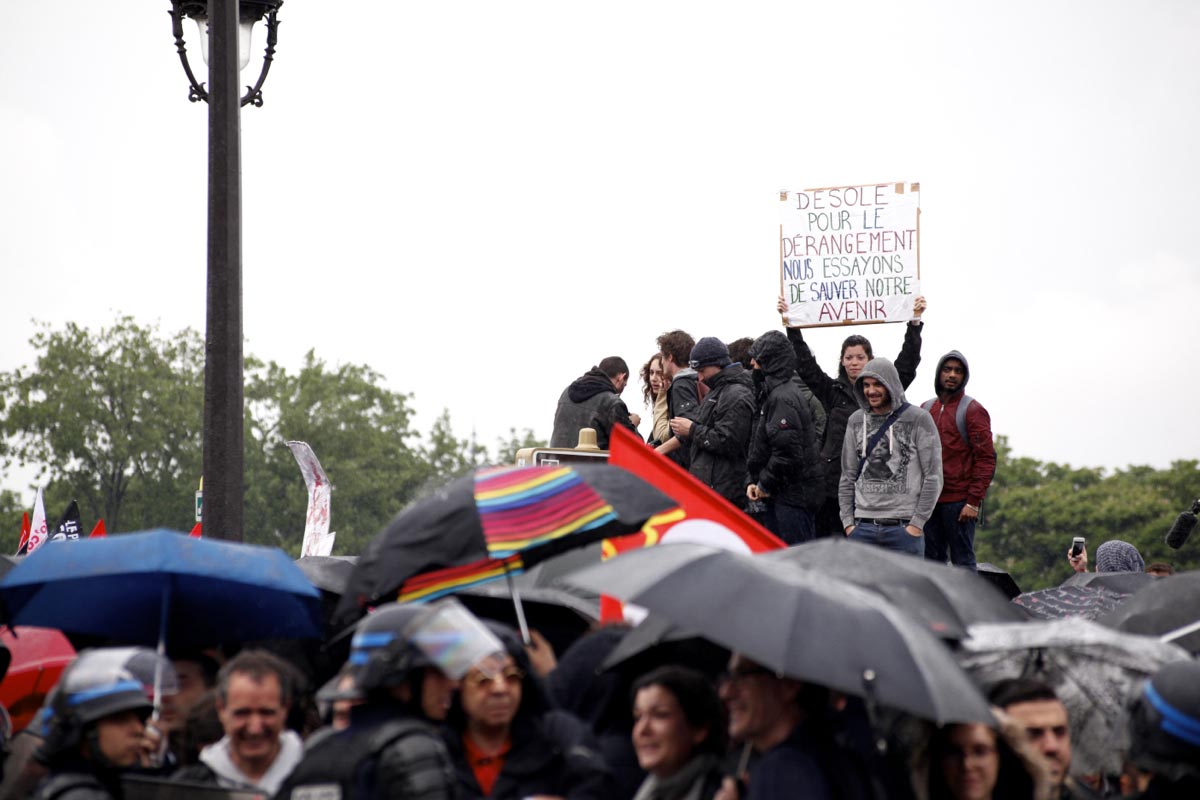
pixel 1034 509
pixel 113 418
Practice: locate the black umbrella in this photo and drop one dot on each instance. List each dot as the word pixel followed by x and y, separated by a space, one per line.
pixel 1119 582
pixel 327 573
pixel 998 578
pixel 801 623
pixel 493 522
pixel 556 612
pixel 656 641
pixel 946 598
pixel 1163 608
pixel 1058 602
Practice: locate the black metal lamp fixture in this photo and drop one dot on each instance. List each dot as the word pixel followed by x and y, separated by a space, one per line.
pixel 249 12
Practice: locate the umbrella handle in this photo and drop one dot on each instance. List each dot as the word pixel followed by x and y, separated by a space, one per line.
pixel 164 613
pixel 872 707
pixel 516 596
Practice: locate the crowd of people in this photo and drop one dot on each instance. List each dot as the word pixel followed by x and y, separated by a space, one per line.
pixel 433 702
pixel 807 453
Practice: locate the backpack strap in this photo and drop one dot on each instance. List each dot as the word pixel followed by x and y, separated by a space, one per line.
pixel 960 418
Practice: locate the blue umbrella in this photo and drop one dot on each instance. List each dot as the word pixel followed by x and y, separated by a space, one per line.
pixel 162 587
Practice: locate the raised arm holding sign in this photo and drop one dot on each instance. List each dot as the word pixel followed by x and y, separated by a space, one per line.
pixel 850 254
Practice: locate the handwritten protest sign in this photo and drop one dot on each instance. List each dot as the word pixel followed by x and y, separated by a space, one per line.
pixel 850 254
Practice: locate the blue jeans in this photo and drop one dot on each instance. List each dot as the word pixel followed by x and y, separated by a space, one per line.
pixel 889 537
pixel 791 523
pixel 944 530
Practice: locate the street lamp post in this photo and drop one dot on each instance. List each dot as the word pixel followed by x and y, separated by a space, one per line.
pixel 224 414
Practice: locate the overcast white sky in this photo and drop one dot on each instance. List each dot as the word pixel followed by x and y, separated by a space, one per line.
pixel 481 200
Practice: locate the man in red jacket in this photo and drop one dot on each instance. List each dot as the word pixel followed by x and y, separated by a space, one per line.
pixel 968 464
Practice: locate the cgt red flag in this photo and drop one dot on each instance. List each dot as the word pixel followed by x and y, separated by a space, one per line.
pixel 98 532
pixel 195 534
pixel 696 502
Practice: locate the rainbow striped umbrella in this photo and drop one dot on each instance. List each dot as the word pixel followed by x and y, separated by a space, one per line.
pixel 496 522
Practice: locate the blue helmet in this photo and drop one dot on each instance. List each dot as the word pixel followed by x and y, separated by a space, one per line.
pixel 96 685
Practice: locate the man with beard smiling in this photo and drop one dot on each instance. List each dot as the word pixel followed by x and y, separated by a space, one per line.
pixel 968 463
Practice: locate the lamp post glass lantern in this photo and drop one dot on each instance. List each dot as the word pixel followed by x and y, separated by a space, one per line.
pixel 249 12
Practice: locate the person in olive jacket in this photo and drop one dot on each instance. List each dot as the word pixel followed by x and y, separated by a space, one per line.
pixel 784 467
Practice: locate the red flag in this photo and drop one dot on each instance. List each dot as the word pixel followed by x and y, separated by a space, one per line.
pixel 696 499
pixel 98 532
pixel 24 532
pixel 696 502
pixel 195 534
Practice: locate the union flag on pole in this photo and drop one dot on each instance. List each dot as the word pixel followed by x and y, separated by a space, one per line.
pixel 733 528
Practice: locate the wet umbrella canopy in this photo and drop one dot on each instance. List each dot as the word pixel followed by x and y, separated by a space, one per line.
pixel 1093 669
pixel 800 623
pixel 137 588
pixel 477 526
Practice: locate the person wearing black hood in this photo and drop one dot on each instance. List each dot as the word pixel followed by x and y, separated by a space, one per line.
pixel 593 400
pixel 837 396
pixel 506 739
pixel 968 463
pixel 783 464
pixel 720 434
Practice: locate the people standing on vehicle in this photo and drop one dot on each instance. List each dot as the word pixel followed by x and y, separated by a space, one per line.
pixel 407 662
pixel 654 392
pixel 720 433
pixel 506 739
pixel 968 463
pixel 837 396
pixel 94 728
pixel 679 734
pixel 593 400
pixel 891 464
pixel 254 694
pixel 783 464
pixel 683 389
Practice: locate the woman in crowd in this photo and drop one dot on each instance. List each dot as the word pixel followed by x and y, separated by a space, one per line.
pixel 655 395
pixel 507 741
pixel 679 735
pixel 970 761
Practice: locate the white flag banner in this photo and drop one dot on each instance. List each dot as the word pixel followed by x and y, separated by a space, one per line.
pixel 850 254
pixel 318 540
pixel 38 531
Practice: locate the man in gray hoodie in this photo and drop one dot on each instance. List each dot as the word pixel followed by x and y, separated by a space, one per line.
pixel 891 464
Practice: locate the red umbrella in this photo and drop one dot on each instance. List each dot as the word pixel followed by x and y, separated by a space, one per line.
pixel 39 655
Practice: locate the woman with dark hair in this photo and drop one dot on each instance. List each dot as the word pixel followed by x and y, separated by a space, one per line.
pixel 970 761
pixel 837 397
pixel 679 735
pixel 654 393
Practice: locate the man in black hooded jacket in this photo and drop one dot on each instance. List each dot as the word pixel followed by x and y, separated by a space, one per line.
pixel 593 400
pixel 720 434
pixel 784 465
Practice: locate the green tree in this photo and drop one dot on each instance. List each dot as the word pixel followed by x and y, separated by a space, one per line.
pixel 447 455
pixel 506 449
pixel 110 418
pixel 360 432
pixel 1034 509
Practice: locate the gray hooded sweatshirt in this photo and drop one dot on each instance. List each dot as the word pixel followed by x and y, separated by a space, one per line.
pixel 902 475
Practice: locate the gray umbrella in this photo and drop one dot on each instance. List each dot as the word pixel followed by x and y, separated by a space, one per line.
pixel 797 622
pixel 946 598
pixel 1092 668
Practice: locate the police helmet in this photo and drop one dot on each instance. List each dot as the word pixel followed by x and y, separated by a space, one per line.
pixel 97 684
pixel 397 639
pixel 1164 722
